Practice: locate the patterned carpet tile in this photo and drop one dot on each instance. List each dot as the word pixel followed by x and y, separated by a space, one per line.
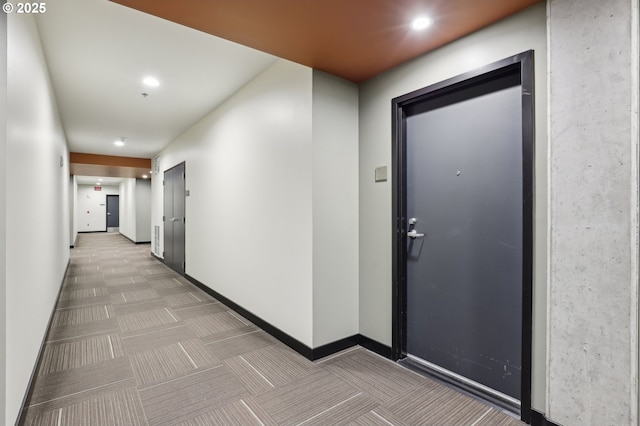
pixel 157 338
pixel 378 377
pixel 147 319
pixel 191 396
pixel 312 399
pixel 80 352
pixel 122 407
pixel 166 362
pixel 134 343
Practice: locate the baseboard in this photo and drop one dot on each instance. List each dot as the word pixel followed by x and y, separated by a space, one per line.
pixel 374 346
pixel 157 257
pixel 27 397
pixel 293 343
pixel 539 419
pixel 143 242
pixel 333 347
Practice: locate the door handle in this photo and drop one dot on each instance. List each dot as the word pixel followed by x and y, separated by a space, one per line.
pixel 413 234
pixel 108 214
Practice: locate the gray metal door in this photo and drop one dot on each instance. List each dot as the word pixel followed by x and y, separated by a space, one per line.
pixel 464 206
pixel 174 218
pixel 113 211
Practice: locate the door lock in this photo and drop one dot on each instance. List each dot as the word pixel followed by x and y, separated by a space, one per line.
pixel 413 234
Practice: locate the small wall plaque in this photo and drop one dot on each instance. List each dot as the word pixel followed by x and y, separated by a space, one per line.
pixel 381 174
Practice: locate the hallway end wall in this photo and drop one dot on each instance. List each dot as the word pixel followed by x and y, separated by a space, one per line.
pixel 37 206
pixel 518 33
pixel 92 207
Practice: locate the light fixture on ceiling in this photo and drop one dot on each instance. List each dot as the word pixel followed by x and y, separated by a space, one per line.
pixel 98 183
pixel 119 142
pixel 145 177
pixel 151 82
pixel 100 180
pixel 421 23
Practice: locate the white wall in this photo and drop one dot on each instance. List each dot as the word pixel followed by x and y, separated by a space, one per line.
pixel 3 219
pixel 74 211
pixel 335 208
pixel 92 207
pixel 248 218
pixel 37 206
pixel 521 32
pixel 143 210
pixel 135 209
pixel 127 200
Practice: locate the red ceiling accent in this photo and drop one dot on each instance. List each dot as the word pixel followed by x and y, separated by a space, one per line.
pixel 354 39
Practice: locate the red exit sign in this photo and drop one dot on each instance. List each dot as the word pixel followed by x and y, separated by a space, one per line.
pixel 97 188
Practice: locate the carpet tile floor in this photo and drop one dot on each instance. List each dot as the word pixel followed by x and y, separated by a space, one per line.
pixel 134 343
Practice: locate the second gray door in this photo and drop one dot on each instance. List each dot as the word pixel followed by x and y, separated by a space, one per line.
pixel 113 211
pixel 174 218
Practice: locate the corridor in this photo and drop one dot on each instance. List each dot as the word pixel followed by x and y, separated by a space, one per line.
pixel 133 343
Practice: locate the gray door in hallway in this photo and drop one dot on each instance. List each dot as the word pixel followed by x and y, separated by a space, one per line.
pixel 174 218
pixel 113 211
pixel 465 229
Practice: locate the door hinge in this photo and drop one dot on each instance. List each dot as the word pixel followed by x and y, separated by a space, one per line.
pixel 164 219
pixel 184 220
pixel 183 265
pixel 184 176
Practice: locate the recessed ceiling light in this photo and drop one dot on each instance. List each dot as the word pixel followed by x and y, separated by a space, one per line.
pixel 119 143
pixel 151 81
pixel 144 176
pixel 421 23
pixel 100 180
pixel 98 183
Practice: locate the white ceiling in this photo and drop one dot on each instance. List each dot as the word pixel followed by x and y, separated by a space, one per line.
pixel 98 52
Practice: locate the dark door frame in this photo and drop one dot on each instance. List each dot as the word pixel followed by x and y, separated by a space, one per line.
pixel 523 65
pixel 107 210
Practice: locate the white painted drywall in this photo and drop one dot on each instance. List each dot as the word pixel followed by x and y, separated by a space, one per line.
pixel 92 207
pixel 37 206
pixel 74 211
pixel 3 219
pixel 523 31
pixel 593 262
pixel 143 210
pixel 127 212
pixel 249 215
pixel 335 208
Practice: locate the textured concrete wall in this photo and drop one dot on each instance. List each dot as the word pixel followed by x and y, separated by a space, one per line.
pixel 592 352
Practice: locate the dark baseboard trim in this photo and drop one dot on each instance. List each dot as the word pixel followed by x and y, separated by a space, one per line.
pixel 333 347
pixel 539 419
pixel 143 242
pixel 92 232
pixel 377 347
pixel 293 343
pixel 28 395
pixel 157 257
pixel 72 246
pixel 296 345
